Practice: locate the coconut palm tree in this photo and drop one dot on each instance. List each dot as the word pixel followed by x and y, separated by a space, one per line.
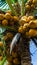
pixel 27 27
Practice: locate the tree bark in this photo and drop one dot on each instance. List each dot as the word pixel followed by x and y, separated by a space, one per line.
pixel 24 52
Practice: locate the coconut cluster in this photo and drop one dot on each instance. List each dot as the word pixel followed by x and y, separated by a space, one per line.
pixel 28 26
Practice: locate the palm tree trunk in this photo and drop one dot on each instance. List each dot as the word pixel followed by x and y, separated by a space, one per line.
pixel 25 52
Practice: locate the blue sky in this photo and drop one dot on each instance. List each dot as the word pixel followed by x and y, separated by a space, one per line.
pixel 34 56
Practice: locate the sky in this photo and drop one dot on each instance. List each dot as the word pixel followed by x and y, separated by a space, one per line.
pixel 33 50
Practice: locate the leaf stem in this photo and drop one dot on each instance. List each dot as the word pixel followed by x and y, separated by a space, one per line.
pixel 11 7
pixel 3 61
pixel 22 8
